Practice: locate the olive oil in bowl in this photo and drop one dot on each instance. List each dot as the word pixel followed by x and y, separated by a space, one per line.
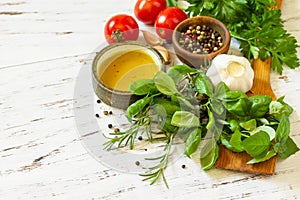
pixel 127 68
pixel 118 65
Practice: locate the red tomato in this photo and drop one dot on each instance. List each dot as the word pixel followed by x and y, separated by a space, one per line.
pixel 167 20
pixel 147 10
pixel 121 27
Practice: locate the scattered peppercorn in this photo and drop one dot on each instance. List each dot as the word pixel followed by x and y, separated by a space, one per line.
pixel 110 125
pixel 200 39
pixel 116 129
pixel 183 166
pixel 97 115
pixel 98 101
pixel 140 138
pixel 110 112
pixel 137 163
pixel 105 112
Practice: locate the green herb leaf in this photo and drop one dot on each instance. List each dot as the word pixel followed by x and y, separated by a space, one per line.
pixel 185 119
pixel 220 90
pixel 178 71
pixel 192 141
pixel 239 107
pixel 142 87
pixel 248 125
pixel 209 154
pixel 268 129
pixel 269 155
pixel 161 105
pixel 184 103
pixel 286 148
pixel 236 141
pixel 137 107
pixel 283 129
pixel 259 105
pixel 234 125
pixel 256 144
pixel 165 83
pixel 203 85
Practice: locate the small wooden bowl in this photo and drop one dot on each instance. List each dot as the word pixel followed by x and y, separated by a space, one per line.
pixel 200 60
pixel 111 96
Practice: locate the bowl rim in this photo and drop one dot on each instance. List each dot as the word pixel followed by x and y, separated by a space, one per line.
pixel 227 37
pixel 109 47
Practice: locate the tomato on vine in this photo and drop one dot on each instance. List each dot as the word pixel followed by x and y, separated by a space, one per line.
pixel 167 20
pixel 146 11
pixel 121 27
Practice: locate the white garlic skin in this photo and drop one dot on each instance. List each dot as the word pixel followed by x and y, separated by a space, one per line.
pixel 235 71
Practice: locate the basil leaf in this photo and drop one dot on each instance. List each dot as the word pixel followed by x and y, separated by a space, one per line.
pixel 286 149
pixel 193 141
pixel 165 83
pixel 220 90
pixel 217 107
pixel 183 102
pixel 279 108
pixel 178 71
pixel 203 85
pixel 259 105
pixel 142 87
pixel 236 141
pixel 225 142
pixel 167 126
pixel 283 129
pixel 165 106
pixel 256 144
pixel 234 125
pixel 137 107
pixel 233 96
pixel 269 155
pixel 239 107
pixel 268 129
pixel 209 154
pixel 248 125
pixel 185 119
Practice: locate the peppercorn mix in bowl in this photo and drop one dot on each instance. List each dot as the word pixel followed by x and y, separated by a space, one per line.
pixel 197 40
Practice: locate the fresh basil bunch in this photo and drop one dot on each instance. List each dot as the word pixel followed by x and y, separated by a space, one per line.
pixel 184 103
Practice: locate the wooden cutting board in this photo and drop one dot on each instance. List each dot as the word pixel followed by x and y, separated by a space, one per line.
pixel 238 161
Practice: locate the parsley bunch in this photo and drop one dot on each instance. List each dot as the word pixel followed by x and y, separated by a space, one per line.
pixel 259 28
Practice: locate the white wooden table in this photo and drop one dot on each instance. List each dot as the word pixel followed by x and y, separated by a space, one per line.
pixel 43 47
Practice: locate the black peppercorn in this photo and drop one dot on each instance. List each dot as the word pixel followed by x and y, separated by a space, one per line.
pixel 200 39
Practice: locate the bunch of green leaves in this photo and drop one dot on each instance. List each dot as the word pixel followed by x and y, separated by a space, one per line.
pixel 184 103
pixel 157 115
pixel 259 28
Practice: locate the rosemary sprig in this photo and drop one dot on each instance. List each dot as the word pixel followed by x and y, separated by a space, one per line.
pixel 156 172
pixel 123 138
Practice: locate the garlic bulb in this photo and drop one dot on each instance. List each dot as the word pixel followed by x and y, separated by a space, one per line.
pixel 235 71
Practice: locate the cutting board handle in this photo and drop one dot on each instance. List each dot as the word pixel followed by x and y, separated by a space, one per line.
pixel 261 82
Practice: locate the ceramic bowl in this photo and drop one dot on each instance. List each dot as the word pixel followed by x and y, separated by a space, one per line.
pixel 110 95
pixel 200 60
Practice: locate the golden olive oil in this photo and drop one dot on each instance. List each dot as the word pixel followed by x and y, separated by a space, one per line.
pixel 128 67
